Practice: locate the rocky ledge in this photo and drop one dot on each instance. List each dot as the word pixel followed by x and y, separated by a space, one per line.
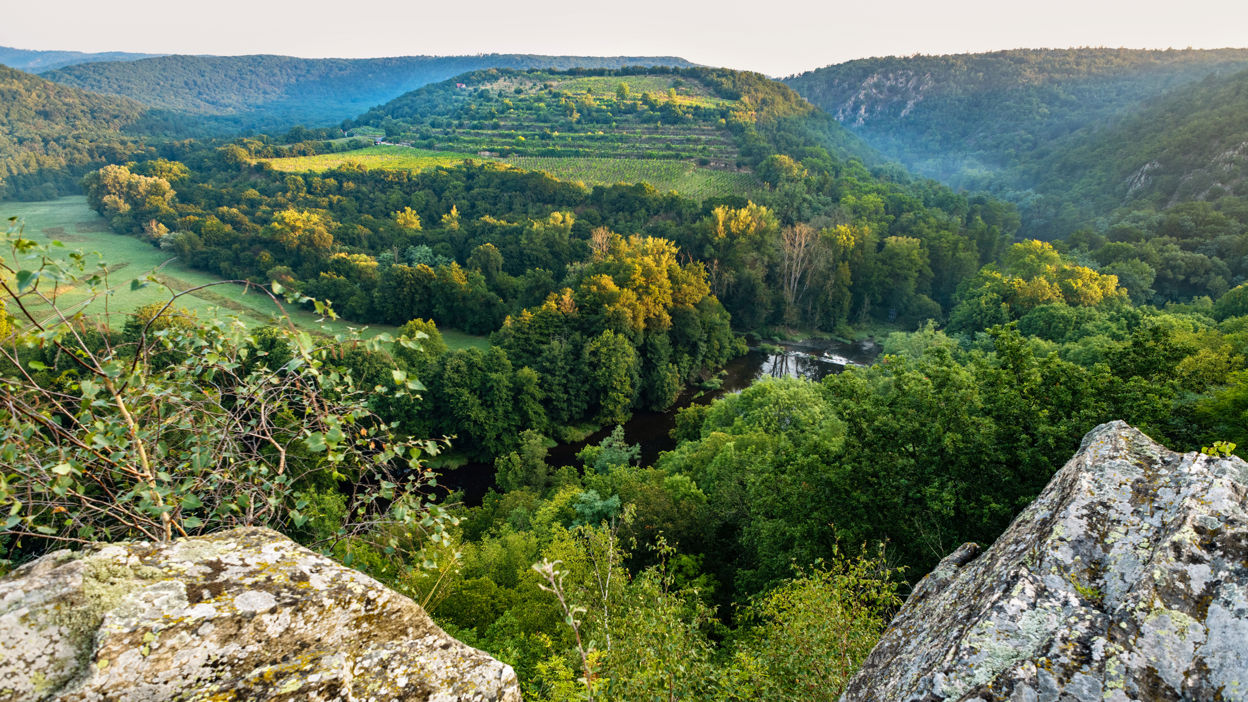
pixel 1126 579
pixel 244 614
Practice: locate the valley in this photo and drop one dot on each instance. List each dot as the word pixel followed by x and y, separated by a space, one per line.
pixel 609 363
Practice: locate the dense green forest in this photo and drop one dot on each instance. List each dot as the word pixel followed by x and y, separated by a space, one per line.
pixel 51 134
pixel 1187 145
pixel 967 118
pixel 227 94
pixel 761 557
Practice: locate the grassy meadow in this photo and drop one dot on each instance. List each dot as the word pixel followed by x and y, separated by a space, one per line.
pixel 682 176
pixel 70 221
pixel 384 156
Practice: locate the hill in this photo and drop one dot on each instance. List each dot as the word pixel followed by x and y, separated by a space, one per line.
pixel 1188 145
pixel 51 134
pixel 274 92
pixel 33 61
pixel 968 119
pixel 688 130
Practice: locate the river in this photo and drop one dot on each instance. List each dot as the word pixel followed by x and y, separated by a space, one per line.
pixel 650 430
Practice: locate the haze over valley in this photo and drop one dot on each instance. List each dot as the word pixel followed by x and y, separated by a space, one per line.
pixel 502 374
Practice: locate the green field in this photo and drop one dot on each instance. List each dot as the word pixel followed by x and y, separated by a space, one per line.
pixel 72 222
pixel 385 156
pixel 685 178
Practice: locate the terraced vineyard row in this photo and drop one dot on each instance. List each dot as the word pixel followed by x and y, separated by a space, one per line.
pixel 685 178
pixel 670 130
pixel 547 115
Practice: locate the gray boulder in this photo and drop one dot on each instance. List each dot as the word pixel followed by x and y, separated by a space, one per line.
pixel 244 614
pixel 1126 579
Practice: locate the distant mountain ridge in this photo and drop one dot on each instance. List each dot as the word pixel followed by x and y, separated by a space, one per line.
pixel 36 61
pixel 966 118
pixel 266 92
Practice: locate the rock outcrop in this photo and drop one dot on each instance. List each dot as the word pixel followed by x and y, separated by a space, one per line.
pixel 1126 579
pixel 244 614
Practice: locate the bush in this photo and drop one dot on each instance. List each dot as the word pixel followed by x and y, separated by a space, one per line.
pixel 182 426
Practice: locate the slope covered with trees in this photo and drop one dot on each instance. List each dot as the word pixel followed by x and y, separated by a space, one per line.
pixel 51 134
pixel 229 93
pixel 1188 145
pixel 37 61
pixel 968 118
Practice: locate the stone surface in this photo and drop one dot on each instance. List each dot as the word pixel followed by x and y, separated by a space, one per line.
pixel 1126 579
pixel 244 614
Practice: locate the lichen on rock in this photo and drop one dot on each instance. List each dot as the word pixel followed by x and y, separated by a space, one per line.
pixel 244 614
pixel 1125 580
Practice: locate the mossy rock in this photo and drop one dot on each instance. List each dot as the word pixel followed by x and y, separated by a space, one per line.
pixel 1125 580
pixel 244 614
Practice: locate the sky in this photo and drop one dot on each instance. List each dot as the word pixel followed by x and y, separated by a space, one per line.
pixel 776 37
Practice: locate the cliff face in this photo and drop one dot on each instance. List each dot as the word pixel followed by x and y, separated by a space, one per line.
pixel 1127 579
pixel 244 614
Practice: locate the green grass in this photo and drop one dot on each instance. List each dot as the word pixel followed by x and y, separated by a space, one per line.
pixel 72 222
pixel 384 156
pixel 683 177
pixel 457 339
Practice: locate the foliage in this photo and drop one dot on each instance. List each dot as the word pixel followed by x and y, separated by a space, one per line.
pixel 180 425
pixel 50 135
pixel 1031 275
pixel 806 637
pixel 1185 146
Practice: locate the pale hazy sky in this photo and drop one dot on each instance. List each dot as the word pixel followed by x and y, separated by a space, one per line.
pixel 777 37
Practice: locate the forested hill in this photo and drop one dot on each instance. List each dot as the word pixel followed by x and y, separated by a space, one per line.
pixel 1191 144
pixel 967 118
pixel 35 61
pixel 728 121
pixel 274 92
pixel 51 134
pixel 696 87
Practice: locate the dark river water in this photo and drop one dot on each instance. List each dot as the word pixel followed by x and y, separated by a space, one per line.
pixel 812 360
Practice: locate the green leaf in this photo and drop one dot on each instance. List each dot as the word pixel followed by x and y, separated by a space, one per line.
pixel 334 436
pixel 25 279
pixel 315 442
pixel 36 365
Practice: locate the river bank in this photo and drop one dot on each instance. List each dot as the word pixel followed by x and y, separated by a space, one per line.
pixel 812 359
